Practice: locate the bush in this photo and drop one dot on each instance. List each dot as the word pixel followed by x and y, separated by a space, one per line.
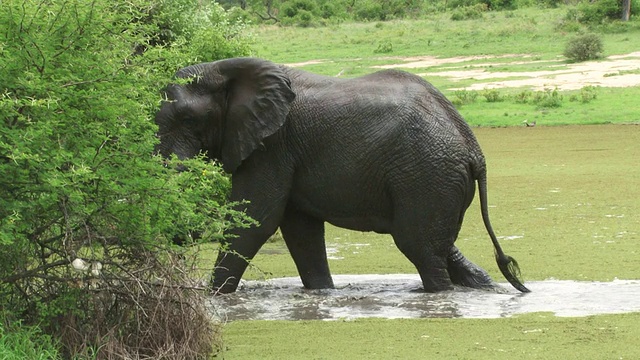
pixel 464 97
pixel 586 95
pixel 384 48
pixel 492 95
pixel 383 9
pixel 370 10
pixel 598 11
pixel 329 10
pixel 523 97
pixel 303 13
pixel 500 4
pixel 292 8
pixel 469 12
pixel 486 4
pixel 87 214
pixel 547 99
pixel 584 47
pixel 601 12
pixel 550 3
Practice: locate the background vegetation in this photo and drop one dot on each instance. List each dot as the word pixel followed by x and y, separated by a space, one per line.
pixel 521 40
pixel 313 13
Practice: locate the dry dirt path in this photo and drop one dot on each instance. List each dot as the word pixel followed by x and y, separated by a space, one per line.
pixel 613 71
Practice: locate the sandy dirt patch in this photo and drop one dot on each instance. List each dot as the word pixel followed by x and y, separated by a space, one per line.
pixel 429 61
pixel 305 63
pixel 610 72
pixel 613 71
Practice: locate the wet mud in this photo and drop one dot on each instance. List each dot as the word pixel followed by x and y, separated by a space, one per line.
pixel 400 296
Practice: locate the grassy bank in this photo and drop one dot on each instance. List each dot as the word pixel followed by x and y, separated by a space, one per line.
pixel 534 336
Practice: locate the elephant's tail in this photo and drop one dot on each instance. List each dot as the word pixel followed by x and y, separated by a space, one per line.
pixel 508 265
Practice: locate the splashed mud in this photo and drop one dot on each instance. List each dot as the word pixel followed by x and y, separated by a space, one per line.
pixel 400 296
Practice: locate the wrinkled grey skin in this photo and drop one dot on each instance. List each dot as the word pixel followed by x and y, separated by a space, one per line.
pixel 386 152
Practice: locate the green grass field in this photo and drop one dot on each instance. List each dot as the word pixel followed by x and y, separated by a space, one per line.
pixel 534 336
pixel 353 46
pixel 568 194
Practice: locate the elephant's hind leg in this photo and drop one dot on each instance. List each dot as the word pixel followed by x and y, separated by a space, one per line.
pixel 465 273
pixel 427 248
pixel 304 236
pixel 431 267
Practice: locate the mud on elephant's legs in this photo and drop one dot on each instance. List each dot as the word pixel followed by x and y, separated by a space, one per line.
pixel 304 236
pixel 465 273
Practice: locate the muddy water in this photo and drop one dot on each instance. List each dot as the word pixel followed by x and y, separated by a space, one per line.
pixel 399 296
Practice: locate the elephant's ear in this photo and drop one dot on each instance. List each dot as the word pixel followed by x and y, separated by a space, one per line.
pixel 259 97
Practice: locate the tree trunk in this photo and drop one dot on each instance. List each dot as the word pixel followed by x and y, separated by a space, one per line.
pixel 626 9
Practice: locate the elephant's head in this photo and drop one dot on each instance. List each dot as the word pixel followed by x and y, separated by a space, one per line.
pixel 226 110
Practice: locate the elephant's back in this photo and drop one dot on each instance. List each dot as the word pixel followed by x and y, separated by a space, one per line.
pixel 386 114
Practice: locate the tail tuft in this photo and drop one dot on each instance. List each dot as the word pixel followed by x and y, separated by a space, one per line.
pixel 511 271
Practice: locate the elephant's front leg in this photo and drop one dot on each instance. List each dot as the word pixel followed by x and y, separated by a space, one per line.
pixel 464 272
pixel 304 236
pixel 265 186
pixel 235 255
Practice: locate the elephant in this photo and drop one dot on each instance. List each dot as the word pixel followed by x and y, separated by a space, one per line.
pixel 385 152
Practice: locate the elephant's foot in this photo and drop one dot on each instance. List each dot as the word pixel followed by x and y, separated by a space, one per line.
pixel 465 273
pixel 317 281
pixel 223 285
pixel 227 272
pixel 435 280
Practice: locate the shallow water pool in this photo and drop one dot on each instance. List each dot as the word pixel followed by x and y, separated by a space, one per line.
pixel 400 296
